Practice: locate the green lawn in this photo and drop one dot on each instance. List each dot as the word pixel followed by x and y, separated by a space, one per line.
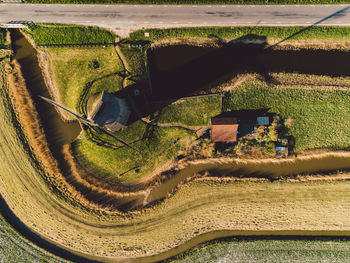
pixel 192 111
pixel 319 118
pixel 73 74
pixel 252 250
pixel 55 34
pixel 155 145
pixel 230 33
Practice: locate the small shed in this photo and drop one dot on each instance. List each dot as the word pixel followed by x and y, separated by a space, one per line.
pixel 108 111
pixel 224 129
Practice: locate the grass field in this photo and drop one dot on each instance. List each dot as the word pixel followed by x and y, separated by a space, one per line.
pixel 319 118
pixel 212 2
pixel 54 34
pixel 15 248
pixel 68 64
pixel 268 250
pixel 231 33
pixel 192 111
pixel 155 145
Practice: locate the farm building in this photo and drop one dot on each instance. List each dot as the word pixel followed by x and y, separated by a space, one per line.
pixel 224 129
pixel 108 111
pixel 228 126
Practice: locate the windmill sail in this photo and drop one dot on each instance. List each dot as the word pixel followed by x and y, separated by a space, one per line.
pixel 117 139
pixel 81 119
pixel 87 122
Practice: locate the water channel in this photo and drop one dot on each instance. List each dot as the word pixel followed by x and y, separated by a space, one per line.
pixel 58 132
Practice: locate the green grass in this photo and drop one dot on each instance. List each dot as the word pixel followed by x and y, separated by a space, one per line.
pixel 53 34
pixel 212 2
pixel 15 248
pixel 135 59
pixel 155 145
pixel 3 38
pixel 195 111
pixel 320 118
pixel 73 74
pixel 230 33
pixel 252 250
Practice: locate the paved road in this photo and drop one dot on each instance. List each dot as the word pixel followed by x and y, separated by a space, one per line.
pixel 122 18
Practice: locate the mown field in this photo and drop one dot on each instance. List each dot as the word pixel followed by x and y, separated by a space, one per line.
pixel 54 34
pixel 318 118
pixel 13 246
pixel 212 2
pixel 268 250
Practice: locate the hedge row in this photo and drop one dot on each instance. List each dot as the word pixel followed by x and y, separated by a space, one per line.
pixel 46 35
pixel 212 2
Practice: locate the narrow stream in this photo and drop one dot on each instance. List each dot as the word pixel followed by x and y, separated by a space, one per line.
pixel 58 132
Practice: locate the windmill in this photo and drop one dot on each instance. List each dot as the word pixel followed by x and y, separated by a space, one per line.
pixel 97 120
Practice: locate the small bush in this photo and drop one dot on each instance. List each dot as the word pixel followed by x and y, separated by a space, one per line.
pixel 93 64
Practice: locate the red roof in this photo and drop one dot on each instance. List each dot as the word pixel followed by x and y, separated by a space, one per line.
pixel 224 129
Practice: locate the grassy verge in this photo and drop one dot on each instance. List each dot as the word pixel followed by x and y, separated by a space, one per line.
pixel 251 250
pixel 230 33
pixel 212 2
pixel 316 118
pixel 53 34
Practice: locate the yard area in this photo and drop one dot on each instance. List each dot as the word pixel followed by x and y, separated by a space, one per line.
pixel 317 118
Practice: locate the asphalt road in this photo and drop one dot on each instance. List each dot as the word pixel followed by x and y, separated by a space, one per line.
pixel 123 18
